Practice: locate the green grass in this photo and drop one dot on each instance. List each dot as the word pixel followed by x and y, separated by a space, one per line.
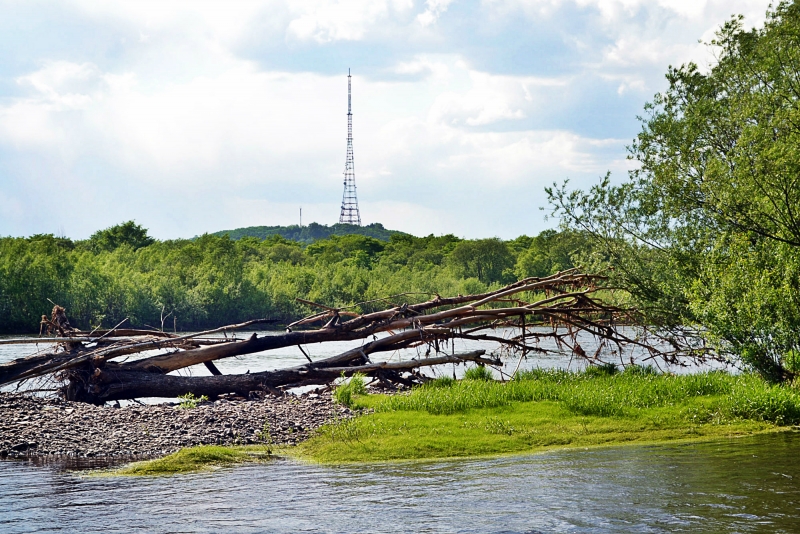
pixel 545 409
pixel 189 401
pixel 478 372
pixel 537 411
pixel 198 458
pixel 346 392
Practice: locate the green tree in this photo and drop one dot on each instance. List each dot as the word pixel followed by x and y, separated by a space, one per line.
pixel 488 260
pixel 33 272
pixel 552 251
pixel 128 233
pixel 706 231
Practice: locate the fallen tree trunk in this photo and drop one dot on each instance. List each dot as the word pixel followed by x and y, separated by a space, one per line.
pixel 113 381
pixel 448 320
pixel 468 310
pixel 79 350
pixel 113 384
pixel 555 307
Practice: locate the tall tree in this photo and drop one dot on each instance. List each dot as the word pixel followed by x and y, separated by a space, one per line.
pixel 128 233
pixel 706 231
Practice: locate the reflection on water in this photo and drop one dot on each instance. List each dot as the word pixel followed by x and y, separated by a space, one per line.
pixel 740 485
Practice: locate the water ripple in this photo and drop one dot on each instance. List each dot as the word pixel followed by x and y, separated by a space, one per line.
pixel 744 485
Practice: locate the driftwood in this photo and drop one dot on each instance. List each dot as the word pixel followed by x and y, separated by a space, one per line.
pixel 87 368
pixel 135 384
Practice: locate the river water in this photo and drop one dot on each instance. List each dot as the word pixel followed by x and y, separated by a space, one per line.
pixel 737 485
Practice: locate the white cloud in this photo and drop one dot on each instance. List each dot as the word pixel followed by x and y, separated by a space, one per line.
pixel 241 114
pixel 423 65
pixel 489 99
pixel 644 32
pixel 223 20
pixel 346 20
pixel 434 10
pixel 617 9
pixel 176 129
pixel 186 127
pixel 61 79
pixel 469 158
pixel 511 157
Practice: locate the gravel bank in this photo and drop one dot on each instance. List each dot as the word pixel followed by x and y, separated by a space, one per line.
pixel 31 426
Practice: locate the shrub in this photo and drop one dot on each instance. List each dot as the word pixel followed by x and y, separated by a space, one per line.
pixel 441 382
pixel 190 401
pixel 479 372
pixel 606 369
pixel 759 400
pixel 344 393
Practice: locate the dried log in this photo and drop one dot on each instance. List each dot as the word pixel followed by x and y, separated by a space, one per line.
pixel 113 379
pixel 40 364
pixel 87 337
pixel 566 299
pixel 58 323
pixel 112 384
pixel 21 368
pixel 370 324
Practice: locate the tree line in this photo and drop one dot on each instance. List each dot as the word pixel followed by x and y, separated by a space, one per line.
pixel 121 272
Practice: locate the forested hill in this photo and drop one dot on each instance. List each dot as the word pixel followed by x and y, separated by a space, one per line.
pixel 312 232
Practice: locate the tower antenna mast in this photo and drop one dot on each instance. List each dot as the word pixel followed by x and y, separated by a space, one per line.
pixel 349 213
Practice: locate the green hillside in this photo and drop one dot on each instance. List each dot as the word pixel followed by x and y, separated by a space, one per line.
pixel 312 232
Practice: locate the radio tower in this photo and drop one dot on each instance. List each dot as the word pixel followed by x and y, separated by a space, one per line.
pixel 349 213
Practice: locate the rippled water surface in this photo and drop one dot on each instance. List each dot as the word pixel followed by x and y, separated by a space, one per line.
pixel 738 485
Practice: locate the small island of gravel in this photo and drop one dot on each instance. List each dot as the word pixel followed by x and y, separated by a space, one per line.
pixel 53 428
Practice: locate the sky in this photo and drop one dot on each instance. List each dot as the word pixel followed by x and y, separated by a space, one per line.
pixel 197 116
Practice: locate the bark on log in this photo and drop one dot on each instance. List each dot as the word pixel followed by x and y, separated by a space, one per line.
pixel 91 375
pixel 113 384
pixel 345 332
pixel 17 369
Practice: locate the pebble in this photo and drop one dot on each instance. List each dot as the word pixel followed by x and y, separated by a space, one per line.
pixel 46 427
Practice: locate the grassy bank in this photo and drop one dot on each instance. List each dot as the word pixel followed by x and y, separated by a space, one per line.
pixel 547 409
pixel 539 410
pixel 199 458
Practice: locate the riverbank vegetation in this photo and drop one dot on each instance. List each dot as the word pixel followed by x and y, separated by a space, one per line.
pixel 706 230
pixel 537 411
pixel 211 281
pixel 541 410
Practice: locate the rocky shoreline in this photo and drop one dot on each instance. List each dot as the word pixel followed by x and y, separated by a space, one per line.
pixel 43 427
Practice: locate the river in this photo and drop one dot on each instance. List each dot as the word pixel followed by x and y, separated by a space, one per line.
pixel 737 485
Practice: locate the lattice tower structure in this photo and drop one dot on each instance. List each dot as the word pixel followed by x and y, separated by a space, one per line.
pixel 349 213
